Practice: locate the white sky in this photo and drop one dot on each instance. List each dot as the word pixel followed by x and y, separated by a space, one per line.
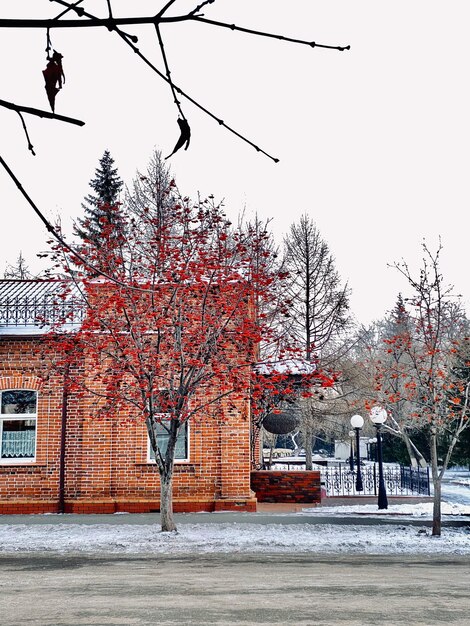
pixel 373 143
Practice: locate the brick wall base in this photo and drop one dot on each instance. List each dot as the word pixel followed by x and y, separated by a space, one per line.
pixel 109 506
pixel 287 487
pixel 25 507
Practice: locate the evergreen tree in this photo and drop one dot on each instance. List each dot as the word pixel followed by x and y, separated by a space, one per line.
pixel 100 208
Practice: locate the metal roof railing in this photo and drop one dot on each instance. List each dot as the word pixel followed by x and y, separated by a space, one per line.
pixel 40 304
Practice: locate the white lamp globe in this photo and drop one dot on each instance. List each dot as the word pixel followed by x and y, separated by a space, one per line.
pixel 357 421
pixel 351 433
pixel 378 415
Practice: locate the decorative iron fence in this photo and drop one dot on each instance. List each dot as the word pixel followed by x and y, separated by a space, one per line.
pixel 416 479
pixel 44 310
pixel 399 481
pixel 340 480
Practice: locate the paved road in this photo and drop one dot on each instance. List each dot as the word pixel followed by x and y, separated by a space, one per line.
pixel 222 590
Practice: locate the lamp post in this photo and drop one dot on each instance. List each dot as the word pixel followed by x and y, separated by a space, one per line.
pixel 351 450
pixel 357 422
pixel 371 441
pixel 378 415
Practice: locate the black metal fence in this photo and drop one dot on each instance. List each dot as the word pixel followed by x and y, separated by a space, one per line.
pixel 399 480
pixel 416 479
pixel 340 480
pixel 45 310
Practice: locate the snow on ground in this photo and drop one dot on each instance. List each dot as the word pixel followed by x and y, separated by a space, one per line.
pixel 199 538
pixel 306 536
pixel 232 537
pixel 423 509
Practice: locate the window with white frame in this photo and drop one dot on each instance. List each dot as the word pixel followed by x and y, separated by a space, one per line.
pixel 18 416
pixel 181 448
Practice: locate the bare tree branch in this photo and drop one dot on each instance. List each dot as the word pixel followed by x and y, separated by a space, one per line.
pixel 250 31
pixel 113 24
pixel 30 145
pixel 72 7
pixel 40 113
pixel 168 72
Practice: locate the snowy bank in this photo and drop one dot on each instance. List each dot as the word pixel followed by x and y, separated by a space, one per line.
pixel 423 510
pixel 232 537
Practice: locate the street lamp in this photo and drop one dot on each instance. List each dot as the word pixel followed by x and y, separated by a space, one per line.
pixel 371 441
pixel 351 451
pixel 357 422
pixel 378 415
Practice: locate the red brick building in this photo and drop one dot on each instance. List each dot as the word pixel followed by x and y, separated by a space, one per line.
pixel 54 457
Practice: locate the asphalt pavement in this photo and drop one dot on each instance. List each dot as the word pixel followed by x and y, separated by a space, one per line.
pixel 225 589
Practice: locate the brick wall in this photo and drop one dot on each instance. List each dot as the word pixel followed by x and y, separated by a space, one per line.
pixel 106 468
pixel 295 487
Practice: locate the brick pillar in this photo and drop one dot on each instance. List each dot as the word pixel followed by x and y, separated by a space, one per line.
pixel 235 491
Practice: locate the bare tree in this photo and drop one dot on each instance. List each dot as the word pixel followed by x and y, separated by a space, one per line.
pixel 19 270
pixel 418 385
pixel 152 191
pixel 319 303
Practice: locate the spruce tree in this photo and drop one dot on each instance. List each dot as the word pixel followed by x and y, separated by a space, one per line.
pixel 102 207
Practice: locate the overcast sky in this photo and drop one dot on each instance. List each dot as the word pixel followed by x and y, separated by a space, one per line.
pixel 373 142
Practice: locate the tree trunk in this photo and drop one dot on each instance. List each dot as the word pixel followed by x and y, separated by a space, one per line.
pixel 308 434
pixel 411 454
pixel 271 449
pixel 166 502
pixel 436 482
pixel 165 468
pixel 436 509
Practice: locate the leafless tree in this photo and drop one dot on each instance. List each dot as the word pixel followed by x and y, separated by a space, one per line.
pixel 152 190
pixel 19 270
pixel 412 369
pixel 319 304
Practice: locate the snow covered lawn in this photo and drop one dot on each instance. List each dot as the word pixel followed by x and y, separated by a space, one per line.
pixel 51 534
pixel 423 510
pixel 232 537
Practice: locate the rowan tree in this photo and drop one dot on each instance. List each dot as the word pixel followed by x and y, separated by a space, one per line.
pixel 383 360
pixel 174 335
pixel 460 376
pixel 278 389
pixel 423 381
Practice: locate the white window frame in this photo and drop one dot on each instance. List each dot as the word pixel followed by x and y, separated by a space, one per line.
pixel 150 459
pixel 18 417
